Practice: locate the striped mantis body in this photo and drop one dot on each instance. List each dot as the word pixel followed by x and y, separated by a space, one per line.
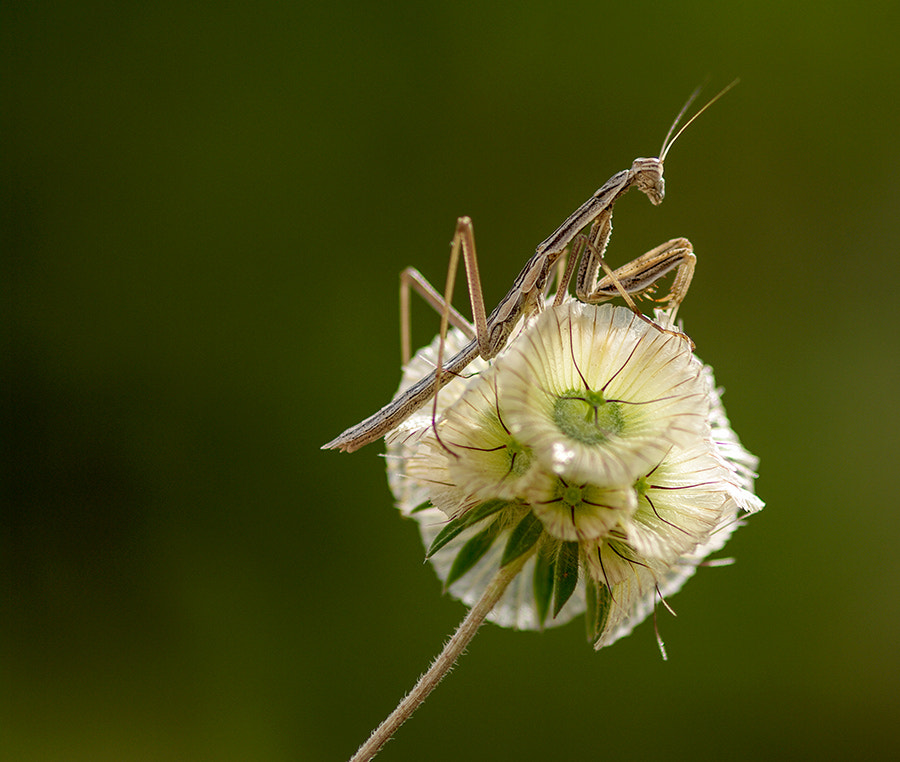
pixel 528 292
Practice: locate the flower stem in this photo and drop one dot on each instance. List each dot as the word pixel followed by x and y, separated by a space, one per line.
pixel 443 663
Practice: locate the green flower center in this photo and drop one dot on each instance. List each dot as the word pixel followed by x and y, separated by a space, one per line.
pixel 587 417
pixel 519 457
pixel 571 496
pixel 642 486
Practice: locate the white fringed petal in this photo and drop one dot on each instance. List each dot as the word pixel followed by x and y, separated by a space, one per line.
pixel 651 391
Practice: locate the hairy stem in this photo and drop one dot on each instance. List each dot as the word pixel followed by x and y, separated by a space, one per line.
pixel 443 663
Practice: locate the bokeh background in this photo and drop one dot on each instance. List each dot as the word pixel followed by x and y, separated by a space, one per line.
pixel 205 210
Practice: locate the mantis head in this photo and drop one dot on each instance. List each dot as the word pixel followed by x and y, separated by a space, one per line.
pixel 649 180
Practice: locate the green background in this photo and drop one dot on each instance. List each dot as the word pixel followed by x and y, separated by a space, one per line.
pixel 205 209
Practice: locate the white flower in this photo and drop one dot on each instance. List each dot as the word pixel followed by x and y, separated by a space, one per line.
pixel 597 445
pixel 580 512
pixel 602 395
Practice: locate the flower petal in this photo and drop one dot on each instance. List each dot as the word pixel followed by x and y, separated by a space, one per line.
pixel 599 394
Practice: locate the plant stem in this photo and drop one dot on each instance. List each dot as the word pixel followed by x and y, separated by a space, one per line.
pixel 443 663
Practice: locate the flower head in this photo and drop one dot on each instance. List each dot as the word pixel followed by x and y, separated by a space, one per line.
pixel 597 447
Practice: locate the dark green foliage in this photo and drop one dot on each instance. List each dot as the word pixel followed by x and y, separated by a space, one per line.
pixel 544 575
pixel 461 523
pixel 472 552
pixel 566 577
pixel 523 538
pixel 599 601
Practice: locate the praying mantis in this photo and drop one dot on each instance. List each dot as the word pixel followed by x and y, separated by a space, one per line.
pixel 528 292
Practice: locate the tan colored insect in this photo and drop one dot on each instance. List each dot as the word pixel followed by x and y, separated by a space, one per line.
pixel 528 292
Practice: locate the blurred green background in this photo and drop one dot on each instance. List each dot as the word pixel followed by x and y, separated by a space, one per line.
pixel 205 210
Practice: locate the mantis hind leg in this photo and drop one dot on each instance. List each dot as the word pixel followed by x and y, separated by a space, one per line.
pixel 412 279
pixel 463 243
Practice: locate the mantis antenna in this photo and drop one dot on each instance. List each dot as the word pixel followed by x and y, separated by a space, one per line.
pixel 667 144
